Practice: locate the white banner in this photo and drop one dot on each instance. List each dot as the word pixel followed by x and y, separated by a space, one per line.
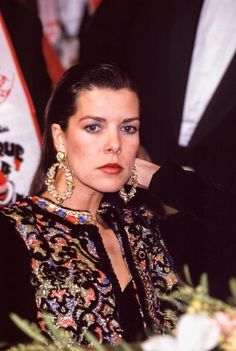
pixel 19 132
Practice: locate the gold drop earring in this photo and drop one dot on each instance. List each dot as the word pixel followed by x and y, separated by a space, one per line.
pixel 126 197
pixel 51 175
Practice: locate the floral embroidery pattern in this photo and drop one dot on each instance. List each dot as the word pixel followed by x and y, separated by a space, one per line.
pixel 72 274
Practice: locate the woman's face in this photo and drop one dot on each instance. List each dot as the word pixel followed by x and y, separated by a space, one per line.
pixel 102 139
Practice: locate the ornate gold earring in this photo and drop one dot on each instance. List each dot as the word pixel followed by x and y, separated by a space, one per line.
pixel 126 197
pixel 50 179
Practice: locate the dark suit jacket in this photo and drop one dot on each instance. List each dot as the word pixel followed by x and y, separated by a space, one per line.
pixel 25 32
pixel 153 40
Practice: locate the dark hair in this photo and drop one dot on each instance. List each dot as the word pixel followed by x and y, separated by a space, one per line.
pixel 62 105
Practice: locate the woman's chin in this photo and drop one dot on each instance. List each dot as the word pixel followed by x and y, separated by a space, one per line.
pixel 110 188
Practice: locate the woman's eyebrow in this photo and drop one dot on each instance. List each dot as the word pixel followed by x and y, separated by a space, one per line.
pixel 95 118
pixel 102 119
pixel 131 119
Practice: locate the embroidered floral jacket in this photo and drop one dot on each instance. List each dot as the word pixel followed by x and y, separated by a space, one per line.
pixel 72 276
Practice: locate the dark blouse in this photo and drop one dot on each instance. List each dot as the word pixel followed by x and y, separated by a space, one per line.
pixel 129 315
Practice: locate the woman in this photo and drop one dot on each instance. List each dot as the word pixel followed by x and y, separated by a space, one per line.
pixel 96 263
pixel 83 248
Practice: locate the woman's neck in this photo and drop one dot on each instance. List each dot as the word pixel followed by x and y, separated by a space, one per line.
pixel 80 200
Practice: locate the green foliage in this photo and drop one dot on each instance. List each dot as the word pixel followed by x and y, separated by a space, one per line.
pixel 232 286
pixel 197 299
pixel 30 329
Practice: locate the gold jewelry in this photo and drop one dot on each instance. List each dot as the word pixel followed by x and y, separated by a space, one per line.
pixel 74 216
pixel 50 179
pixel 126 197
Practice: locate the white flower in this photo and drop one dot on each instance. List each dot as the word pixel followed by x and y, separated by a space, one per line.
pixel 193 333
pixel 160 343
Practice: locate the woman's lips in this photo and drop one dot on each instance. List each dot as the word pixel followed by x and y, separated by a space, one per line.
pixel 111 168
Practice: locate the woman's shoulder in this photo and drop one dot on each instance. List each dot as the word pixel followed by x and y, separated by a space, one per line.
pixel 11 218
pixel 16 211
pixel 145 207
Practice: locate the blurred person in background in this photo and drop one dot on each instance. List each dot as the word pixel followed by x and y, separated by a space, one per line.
pixel 62 22
pixel 182 56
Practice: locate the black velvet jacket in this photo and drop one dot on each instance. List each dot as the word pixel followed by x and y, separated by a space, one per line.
pixel 69 260
pixel 71 274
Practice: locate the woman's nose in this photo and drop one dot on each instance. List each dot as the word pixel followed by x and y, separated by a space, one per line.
pixel 113 144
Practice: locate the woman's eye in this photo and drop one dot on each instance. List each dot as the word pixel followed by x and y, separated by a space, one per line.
pixel 93 128
pixel 129 129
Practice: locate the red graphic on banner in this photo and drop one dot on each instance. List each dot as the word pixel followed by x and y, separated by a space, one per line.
pixel 15 159
pixel 3 185
pixel 7 190
pixel 6 85
pixel 17 163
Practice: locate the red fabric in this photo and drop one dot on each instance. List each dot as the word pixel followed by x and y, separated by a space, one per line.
pixel 95 3
pixel 54 66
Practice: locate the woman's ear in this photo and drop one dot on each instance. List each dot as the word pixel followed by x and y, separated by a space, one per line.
pixel 58 137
